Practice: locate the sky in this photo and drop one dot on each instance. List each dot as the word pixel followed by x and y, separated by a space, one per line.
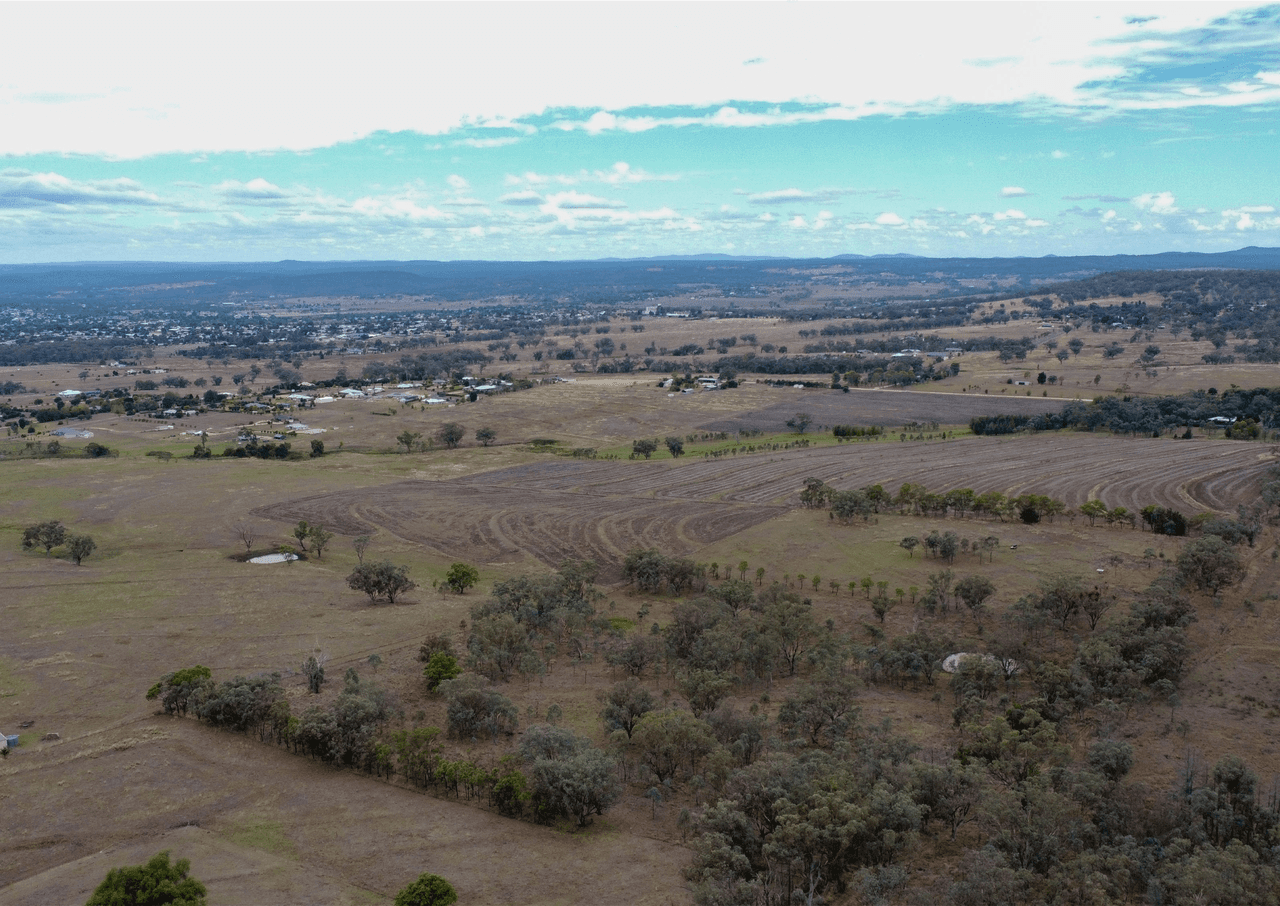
pixel 541 131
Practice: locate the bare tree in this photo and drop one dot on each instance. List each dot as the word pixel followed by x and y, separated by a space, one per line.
pixel 247 535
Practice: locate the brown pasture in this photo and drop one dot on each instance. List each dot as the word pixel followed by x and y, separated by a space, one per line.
pixel 81 645
pixel 599 510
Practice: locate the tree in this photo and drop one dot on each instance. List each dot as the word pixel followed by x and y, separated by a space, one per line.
pixel 428 890
pixel 486 436
pixel 79 547
pixel 319 539
pixel 800 423
pixel 570 776
pixel 451 434
pixel 157 883
pixel 974 591
pixel 247 535
pixel 44 534
pixel 476 712
pixel 1209 563
pixel 1094 510
pixel 317 448
pixel 361 544
pixel 821 713
pixel 302 532
pixel 644 447
pixel 1061 597
pixel 909 544
pixel 442 666
pixel 381 579
pixel 408 439
pixel 676 447
pixel 313 670
pixel 461 576
pixel 625 704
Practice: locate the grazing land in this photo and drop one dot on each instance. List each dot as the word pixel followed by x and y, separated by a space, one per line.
pixel 737 493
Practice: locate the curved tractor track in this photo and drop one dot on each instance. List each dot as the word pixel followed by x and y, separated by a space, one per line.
pixel 599 510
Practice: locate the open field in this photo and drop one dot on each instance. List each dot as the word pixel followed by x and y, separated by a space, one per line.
pixel 165 589
pixel 600 510
pixel 82 644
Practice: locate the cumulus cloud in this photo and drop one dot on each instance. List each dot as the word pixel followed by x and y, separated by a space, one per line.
pixel 25 189
pixel 251 192
pixel 1156 203
pixel 888 218
pixel 458 183
pixel 1011 214
pixel 1014 192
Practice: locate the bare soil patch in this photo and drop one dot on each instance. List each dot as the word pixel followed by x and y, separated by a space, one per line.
pixel 883 407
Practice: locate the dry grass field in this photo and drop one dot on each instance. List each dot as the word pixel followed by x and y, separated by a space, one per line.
pixel 80 645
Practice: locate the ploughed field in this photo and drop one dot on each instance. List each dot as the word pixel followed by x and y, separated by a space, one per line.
pixel 601 509
pixel 886 408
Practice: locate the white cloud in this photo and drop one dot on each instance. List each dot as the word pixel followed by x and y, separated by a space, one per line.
pixel 1014 192
pixel 1059 155
pixel 255 190
pixel 780 196
pixel 457 183
pixel 574 199
pixel 888 218
pixel 486 142
pixel 1011 214
pixel 1156 203
pixel 25 189
pixel 623 172
pixel 1056 57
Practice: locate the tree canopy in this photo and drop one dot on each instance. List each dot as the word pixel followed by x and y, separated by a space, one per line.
pixel 158 883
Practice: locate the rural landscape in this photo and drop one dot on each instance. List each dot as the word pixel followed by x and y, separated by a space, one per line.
pixel 528 454
pixel 803 594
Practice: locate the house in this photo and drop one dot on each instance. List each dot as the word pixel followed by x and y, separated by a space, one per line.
pixel 1221 421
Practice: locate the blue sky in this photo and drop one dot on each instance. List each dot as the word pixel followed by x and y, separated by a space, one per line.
pixel 548 131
